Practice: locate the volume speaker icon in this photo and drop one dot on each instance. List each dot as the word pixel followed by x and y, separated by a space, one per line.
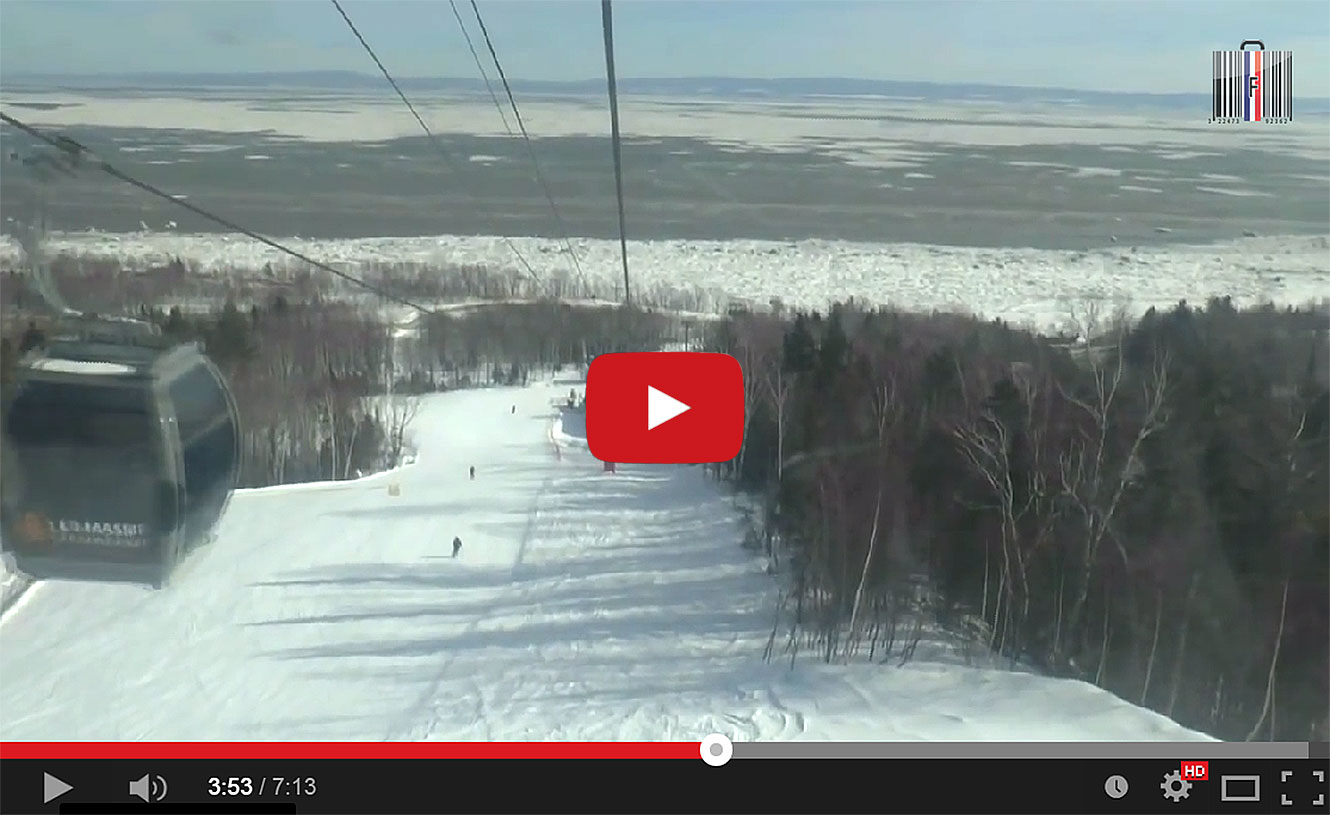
pixel 148 788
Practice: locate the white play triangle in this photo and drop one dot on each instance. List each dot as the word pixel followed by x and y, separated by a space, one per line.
pixel 662 407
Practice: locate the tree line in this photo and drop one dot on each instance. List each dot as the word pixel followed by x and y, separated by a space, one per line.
pixel 1146 511
pixel 310 378
pixel 110 285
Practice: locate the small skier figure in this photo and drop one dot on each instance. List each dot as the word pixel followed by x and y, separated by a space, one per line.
pixel 457 546
pixel 514 410
pixel 473 473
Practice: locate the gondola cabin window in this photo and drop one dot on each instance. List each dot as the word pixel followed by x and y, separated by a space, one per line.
pixel 207 436
pixel 86 452
pixel 94 418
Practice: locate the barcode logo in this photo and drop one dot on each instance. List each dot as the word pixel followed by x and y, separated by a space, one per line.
pixel 1252 86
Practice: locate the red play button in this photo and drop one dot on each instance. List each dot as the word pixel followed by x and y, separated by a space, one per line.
pixel 664 408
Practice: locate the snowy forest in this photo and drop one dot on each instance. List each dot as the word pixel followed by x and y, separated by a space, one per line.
pixel 1145 511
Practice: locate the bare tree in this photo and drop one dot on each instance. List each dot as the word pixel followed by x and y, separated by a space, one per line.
pixel 754 354
pixel 1093 485
pixel 1016 490
pixel 778 386
pixel 1267 705
pixel 986 446
pixel 402 411
pixel 863 577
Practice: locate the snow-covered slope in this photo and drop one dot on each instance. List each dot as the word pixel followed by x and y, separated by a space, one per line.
pixel 584 605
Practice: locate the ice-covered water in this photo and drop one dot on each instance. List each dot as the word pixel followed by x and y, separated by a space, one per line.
pixel 1037 287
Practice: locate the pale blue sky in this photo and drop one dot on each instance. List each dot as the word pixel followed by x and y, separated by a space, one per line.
pixel 1126 45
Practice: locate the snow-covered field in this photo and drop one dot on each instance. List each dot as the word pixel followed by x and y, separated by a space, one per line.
pixel 1029 286
pixel 584 605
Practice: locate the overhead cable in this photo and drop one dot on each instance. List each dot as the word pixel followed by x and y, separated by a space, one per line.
pixel 526 137
pixel 433 139
pixel 80 155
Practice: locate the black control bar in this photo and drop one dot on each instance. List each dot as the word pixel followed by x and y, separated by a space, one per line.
pixel 408 786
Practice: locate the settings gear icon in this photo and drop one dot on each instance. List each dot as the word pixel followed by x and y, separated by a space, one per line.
pixel 1175 786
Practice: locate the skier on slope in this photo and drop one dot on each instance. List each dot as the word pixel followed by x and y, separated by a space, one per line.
pixel 473 472
pixel 457 546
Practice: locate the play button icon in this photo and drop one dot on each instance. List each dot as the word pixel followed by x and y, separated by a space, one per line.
pixel 664 407
pixel 53 788
pixel 661 407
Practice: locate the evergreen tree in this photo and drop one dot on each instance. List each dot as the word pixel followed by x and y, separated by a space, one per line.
pixel 231 340
pixel 176 325
pixel 800 350
pixel 835 349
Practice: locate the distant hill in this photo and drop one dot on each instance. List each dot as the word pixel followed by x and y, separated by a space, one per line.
pixel 704 87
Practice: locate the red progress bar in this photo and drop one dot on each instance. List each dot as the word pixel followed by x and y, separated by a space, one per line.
pixel 349 749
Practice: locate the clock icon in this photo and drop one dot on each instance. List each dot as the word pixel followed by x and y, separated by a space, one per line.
pixel 1115 786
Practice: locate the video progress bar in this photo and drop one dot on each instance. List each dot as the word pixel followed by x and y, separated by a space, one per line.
pixel 1199 750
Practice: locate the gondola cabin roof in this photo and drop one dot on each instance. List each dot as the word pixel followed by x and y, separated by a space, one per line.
pixel 110 360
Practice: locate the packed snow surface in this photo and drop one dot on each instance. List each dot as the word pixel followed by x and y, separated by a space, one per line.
pixel 583 605
pixel 1026 286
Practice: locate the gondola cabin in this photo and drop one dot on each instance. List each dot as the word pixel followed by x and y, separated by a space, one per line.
pixel 120 457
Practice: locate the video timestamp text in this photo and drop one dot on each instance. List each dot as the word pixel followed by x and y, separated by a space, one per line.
pixel 262 786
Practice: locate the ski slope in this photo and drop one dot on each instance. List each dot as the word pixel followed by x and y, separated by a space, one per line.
pixel 584 606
